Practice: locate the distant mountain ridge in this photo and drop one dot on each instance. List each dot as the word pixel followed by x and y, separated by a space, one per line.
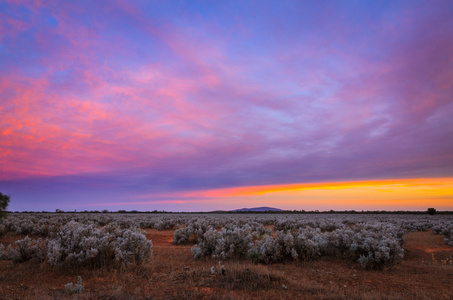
pixel 264 208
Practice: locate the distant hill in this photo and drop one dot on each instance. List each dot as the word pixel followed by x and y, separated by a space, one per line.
pixel 257 209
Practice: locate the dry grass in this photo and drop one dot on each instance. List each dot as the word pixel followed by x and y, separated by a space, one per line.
pixel 425 273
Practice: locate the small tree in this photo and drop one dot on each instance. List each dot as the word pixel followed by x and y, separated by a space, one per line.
pixel 4 201
pixel 432 211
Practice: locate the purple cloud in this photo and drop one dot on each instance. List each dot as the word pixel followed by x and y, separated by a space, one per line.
pixel 153 97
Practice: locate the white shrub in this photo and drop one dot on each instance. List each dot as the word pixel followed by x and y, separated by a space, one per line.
pixel 87 245
pixel 26 249
pixel 224 243
pixel 183 236
pixel 267 250
pixel 76 244
pixel 75 288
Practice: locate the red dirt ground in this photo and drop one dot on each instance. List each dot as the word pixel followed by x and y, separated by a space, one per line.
pixel 425 273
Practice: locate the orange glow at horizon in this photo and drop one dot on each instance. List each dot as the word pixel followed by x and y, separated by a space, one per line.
pixel 390 194
pixel 266 189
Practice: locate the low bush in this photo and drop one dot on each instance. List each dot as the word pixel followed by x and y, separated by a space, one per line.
pixel 225 243
pixel 182 236
pixel 76 288
pixel 79 245
pixel 445 229
pixel 374 246
pixel 25 250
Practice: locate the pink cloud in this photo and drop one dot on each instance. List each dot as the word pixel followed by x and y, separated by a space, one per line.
pixel 199 102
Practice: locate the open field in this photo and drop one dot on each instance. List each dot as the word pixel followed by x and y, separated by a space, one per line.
pixel 425 272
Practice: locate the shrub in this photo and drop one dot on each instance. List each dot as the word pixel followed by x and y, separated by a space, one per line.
pixel 224 243
pixel 431 211
pixel 75 288
pixel 79 245
pixel 374 245
pixel 376 249
pixel 86 245
pixel 266 251
pixel 309 243
pixel 3 253
pixel 166 224
pixel 132 247
pixel 182 236
pixel 385 253
pixel 4 201
pixel 446 230
pixel 26 249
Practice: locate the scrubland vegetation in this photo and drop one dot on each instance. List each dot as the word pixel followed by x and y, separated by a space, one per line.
pixel 173 256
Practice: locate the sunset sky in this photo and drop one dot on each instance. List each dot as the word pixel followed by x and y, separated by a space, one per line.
pixel 206 105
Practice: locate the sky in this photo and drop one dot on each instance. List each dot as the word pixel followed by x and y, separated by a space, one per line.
pixel 209 105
